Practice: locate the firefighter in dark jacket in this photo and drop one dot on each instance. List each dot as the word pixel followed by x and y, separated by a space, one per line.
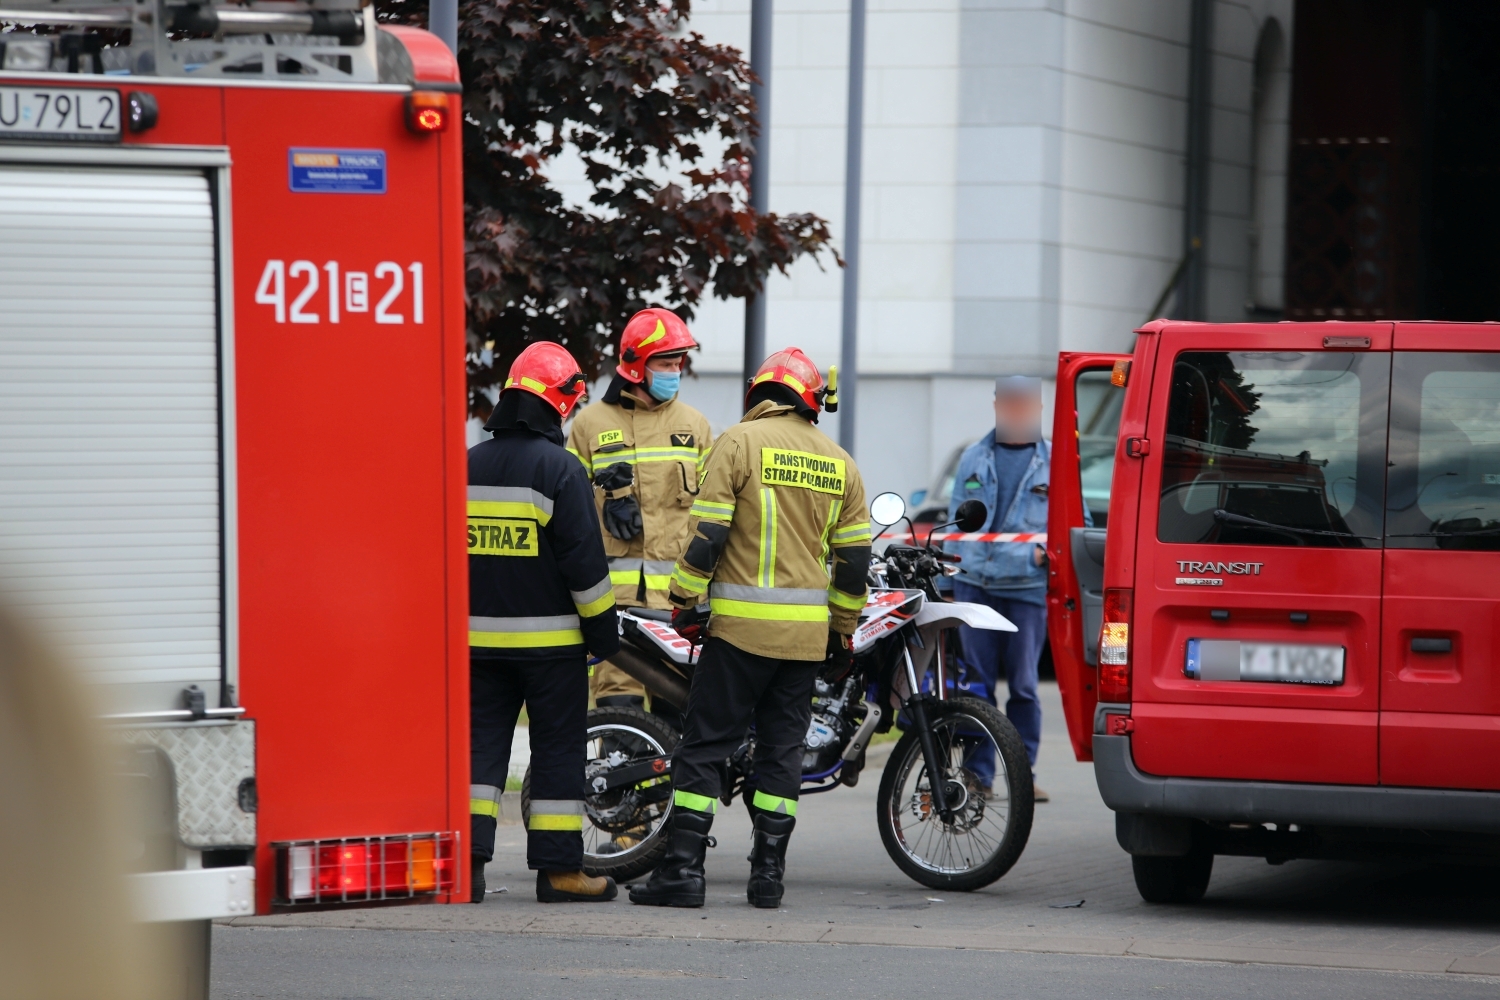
pixel 780 548
pixel 540 602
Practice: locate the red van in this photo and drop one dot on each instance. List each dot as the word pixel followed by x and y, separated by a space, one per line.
pixel 1283 638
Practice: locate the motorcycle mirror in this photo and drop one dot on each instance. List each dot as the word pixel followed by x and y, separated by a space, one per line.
pixel 972 515
pixel 888 508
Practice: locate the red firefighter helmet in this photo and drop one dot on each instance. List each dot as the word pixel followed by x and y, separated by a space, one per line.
pixel 792 368
pixel 651 332
pixel 548 370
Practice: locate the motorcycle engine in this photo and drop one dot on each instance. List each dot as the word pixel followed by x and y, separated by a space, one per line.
pixel 827 732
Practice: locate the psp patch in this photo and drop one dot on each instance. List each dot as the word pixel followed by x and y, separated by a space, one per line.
pixel 611 437
pixel 784 467
pixel 501 536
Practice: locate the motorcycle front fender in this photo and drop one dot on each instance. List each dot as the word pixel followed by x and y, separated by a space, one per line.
pixel 947 614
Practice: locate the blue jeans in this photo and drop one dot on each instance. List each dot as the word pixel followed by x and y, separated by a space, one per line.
pixel 987 655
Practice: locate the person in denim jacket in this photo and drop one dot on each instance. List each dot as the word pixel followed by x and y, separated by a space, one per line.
pixel 1009 469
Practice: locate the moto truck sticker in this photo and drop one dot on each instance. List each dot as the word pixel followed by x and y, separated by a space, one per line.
pixel 337 171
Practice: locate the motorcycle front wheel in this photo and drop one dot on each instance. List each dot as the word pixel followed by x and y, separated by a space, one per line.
pixel 625 820
pixel 987 780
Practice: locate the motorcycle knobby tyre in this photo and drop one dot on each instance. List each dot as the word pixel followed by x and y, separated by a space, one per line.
pixel 640 862
pixel 1018 771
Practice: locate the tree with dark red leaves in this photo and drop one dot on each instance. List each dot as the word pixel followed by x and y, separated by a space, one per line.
pixel 627 88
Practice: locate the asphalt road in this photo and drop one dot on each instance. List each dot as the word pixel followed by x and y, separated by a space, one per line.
pixel 853 925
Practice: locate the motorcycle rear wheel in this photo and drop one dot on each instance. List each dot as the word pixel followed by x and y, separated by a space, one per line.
pixel 640 811
pixel 985 837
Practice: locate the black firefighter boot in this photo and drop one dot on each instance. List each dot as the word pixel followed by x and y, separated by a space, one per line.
pixel 678 880
pixel 476 877
pixel 768 858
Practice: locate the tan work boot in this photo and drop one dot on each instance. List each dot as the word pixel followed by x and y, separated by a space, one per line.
pixel 1038 794
pixel 574 887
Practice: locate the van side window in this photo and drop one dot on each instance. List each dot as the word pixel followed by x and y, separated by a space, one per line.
pixel 1445 451
pixel 1099 402
pixel 1275 448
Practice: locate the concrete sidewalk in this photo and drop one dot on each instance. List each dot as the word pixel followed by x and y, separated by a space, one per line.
pixel 842 889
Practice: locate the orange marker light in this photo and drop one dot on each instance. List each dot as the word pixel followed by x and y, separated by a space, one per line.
pixel 427 111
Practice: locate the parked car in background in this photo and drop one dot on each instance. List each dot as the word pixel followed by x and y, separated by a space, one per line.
pixel 930 506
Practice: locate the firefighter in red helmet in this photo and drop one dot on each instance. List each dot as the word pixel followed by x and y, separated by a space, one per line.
pixel 779 550
pixel 540 602
pixel 644 448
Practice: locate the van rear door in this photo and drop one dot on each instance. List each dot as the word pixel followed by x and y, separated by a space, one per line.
pixel 1255 647
pixel 1086 423
pixel 1440 692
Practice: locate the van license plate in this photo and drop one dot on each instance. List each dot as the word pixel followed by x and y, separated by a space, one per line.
pixel 1277 662
pixel 69 113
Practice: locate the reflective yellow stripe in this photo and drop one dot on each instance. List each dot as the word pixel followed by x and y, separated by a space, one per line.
pixel 508 508
pixel 527 640
pixel 657 334
pixel 654 582
pixel 688 581
pixel 566 824
pixel 597 606
pixel 484 807
pixel 672 453
pixel 603 460
pixel 840 599
pixel 703 458
pixel 833 519
pixel 852 533
pixel 694 801
pixel 766 573
pixel 624 575
pixel 712 511
pixel 575 453
pixel 775 803
pixel 770 612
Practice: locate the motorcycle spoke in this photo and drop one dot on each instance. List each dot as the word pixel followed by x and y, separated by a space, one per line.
pixel 978 828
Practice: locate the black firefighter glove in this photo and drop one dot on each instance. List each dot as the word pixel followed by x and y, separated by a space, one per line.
pixel 689 622
pixel 840 655
pixel 622 514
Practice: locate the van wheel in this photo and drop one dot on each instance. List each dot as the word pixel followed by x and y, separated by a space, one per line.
pixel 1173 880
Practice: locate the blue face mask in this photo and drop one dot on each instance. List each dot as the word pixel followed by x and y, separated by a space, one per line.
pixel 664 385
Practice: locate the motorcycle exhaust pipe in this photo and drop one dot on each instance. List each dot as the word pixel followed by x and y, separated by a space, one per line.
pixel 862 734
pixel 661 681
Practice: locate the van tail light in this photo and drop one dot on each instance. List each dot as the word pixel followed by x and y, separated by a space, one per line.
pixel 364 869
pixel 1114 645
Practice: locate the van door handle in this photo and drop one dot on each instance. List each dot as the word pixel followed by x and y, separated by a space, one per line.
pixel 1427 645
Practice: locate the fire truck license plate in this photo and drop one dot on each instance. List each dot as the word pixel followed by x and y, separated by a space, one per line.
pixel 59 113
pixel 1283 662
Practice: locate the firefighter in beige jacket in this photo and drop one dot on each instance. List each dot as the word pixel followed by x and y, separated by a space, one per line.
pixel 780 550
pixel 644 449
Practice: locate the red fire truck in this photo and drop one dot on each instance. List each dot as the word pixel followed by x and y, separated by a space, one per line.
pixel 232 387
pixel 1280 641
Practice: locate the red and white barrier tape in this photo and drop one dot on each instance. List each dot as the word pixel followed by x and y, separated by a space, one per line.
pixel 1038 537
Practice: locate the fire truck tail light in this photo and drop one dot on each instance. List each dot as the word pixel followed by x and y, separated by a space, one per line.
pixel 363 869
pixel 427 111
pixel 1114 646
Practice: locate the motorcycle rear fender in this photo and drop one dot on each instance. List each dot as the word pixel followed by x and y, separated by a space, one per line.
pixel 662 636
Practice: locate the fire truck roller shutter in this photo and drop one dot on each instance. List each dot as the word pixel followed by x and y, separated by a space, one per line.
pixel 110 501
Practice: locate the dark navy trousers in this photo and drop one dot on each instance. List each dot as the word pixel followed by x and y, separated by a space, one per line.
pixel 989 657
